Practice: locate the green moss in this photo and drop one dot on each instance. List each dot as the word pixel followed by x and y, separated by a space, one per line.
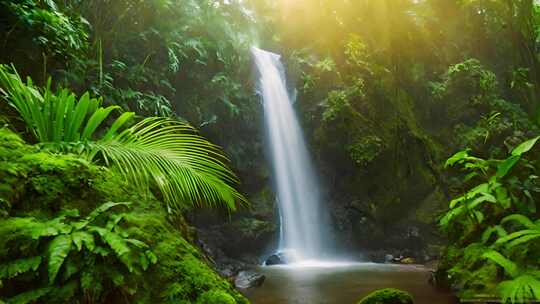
pixel 215 297
pixel 388 296
pixel 366 149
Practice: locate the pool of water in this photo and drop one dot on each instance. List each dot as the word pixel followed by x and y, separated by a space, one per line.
pixel 342 283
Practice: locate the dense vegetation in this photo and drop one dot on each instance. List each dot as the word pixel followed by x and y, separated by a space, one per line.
pixel 95 187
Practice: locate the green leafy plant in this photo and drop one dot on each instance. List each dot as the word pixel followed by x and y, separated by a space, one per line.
pixel 72 256
pixel 524 284
pixel 164 153
pixel 491 224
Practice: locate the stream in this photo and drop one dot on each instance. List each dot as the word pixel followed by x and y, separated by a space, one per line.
pixel 343 284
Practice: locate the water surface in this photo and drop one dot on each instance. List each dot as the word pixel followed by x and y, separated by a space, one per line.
pixel 342 284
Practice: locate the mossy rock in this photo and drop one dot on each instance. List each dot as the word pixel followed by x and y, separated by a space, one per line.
pixel 388 296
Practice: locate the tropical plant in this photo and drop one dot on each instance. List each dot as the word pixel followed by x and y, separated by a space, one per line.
pixel 493 221
pixel 72 256
pixel 524 236
pixel 524 284
pixel 470 207
pixel 160 152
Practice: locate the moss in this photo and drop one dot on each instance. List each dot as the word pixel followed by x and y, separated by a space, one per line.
pixel 41 184
pixel 215 297
pixel 388 296
pixel 366 149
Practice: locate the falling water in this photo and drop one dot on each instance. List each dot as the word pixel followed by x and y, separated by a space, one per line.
pixel 302 222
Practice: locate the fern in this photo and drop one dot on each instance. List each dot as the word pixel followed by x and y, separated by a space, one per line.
pixel 30 296
pixel 81 254
pixel 59 249
pixel 17 267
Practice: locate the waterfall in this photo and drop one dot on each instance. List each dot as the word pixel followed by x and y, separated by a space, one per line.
pixel 301 218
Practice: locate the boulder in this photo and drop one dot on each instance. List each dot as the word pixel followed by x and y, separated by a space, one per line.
pixel 275 259
pixel 281 257
pixel 248 279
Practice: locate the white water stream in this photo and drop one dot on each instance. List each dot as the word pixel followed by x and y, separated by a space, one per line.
pixel 303 223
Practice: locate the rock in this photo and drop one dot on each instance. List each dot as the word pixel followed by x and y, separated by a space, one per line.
pixel 274 259
pixel 282 257
pixel 248 279
pixel 388 296
pixel 407 261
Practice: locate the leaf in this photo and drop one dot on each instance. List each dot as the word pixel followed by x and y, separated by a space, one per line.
pixel 486 197
pixel 82 237
pixel 151 256
pixel 117 244
pixel 498 230
pixel 13 269
pixel 460 156
pixel 525 146
pixel 97 212
pixel 524 239
pixel 522 289
pixel 30 296
pixel 59 249
pixel 504 167
pixel 510 267
pixel 521 219
pixel 169 155
pixel 118 123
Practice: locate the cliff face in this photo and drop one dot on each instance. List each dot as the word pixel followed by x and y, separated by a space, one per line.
pixel 379 143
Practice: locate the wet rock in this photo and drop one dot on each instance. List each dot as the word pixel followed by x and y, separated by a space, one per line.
pixel 407 261
pixel 282 257
pixel 275 259
pixel 248 279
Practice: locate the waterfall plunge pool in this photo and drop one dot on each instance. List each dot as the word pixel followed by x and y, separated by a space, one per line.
pixel 342 283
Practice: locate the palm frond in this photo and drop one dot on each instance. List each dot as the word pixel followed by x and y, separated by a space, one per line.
pixel 185 167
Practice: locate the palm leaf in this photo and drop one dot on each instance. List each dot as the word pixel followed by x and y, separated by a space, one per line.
pixel 161 152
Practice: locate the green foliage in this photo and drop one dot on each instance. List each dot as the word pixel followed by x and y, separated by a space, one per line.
pixel 56 32
pixel 114 253
pixel 216 297
pixel 187 169
pixel 492 222
pixel 56 118
pixel 90 256
pixel 388 296
pixel 521 289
